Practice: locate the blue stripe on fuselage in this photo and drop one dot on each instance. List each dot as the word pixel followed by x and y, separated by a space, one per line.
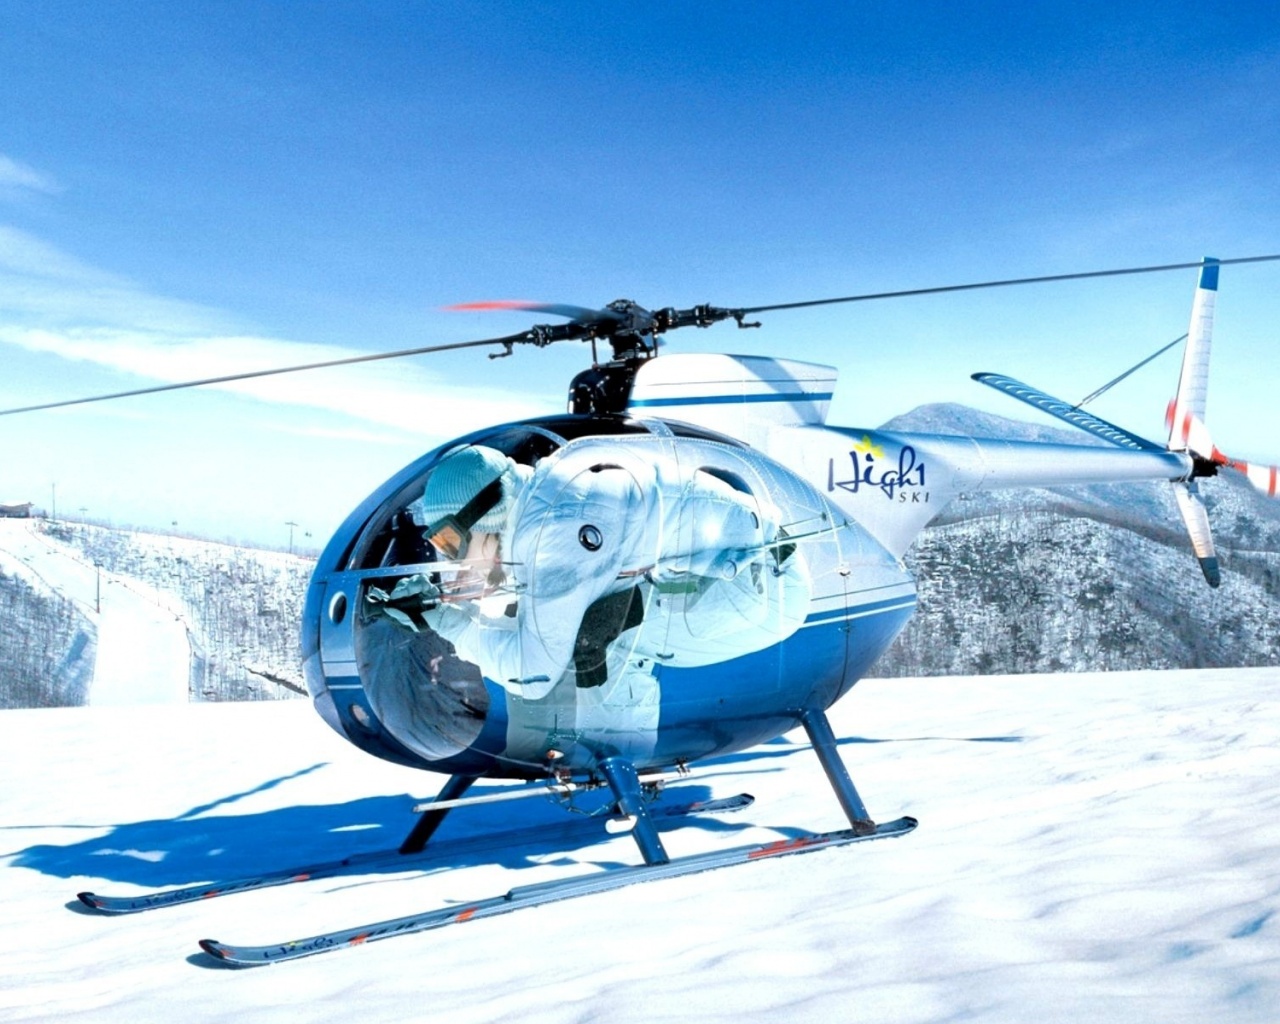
pixel 731 705
pixel 859 611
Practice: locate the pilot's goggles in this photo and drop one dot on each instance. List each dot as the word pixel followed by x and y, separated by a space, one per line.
pixel 451 534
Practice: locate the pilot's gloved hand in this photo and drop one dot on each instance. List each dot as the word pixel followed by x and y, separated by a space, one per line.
pixel 407 601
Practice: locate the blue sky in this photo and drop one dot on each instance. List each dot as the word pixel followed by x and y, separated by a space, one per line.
pixel 188 190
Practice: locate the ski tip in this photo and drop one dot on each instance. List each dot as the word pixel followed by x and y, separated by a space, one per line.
pixel 216 949
pixel 220 956
pixel 890 829
pixel 89 900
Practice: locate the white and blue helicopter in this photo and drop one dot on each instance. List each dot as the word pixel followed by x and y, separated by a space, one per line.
pixel 689 562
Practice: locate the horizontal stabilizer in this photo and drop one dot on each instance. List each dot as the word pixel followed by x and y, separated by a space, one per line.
pixel 1059 409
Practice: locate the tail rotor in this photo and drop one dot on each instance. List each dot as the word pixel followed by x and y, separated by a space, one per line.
pixel 1188 433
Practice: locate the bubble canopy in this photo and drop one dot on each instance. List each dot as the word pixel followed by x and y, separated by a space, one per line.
pixel 578 587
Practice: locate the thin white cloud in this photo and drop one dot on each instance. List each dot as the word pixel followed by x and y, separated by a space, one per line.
pixel 18 177
pixel 356 435
pixel 24 255
pixel 42 285
pixel 405 397
pixel 52 303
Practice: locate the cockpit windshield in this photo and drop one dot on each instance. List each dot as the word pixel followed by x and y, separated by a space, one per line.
pixel 434 501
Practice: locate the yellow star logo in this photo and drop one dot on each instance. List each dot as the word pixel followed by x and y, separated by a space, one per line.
pixel 868 447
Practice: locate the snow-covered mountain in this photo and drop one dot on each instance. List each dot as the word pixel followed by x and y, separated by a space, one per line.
pixel 1073 579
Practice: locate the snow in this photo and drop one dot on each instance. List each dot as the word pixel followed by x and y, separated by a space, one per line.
pixel 143 654
pixel 1091 847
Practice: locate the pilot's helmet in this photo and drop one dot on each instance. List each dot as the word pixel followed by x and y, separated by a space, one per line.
pixel 459 478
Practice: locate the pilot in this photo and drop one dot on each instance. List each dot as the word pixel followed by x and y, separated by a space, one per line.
pixel 464 511
pixel 553 571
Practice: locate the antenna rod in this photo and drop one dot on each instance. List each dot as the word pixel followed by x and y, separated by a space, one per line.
pixel 1133 369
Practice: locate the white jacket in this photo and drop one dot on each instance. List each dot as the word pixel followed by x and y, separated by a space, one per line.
pixel 597 517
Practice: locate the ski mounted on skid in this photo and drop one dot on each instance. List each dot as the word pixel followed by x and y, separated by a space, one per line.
pixel 628 793
pixel 630 802
pixel 546 892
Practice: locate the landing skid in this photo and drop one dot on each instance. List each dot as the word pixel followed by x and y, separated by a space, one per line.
pixel 628 792
pixel 630 812
pixel 545 892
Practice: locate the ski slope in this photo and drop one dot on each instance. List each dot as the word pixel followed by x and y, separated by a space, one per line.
pixel 1091 847
pixel 142 648
pixel 143 654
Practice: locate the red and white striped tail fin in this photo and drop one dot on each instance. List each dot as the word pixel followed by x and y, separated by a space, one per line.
pixel 1187 408
pixel 1188 433
pixel 1185 419
pixel 1185 415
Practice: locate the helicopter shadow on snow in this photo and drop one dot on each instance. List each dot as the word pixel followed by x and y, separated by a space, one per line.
pixel 206 843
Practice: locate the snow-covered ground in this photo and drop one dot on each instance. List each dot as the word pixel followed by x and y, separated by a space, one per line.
pixel 143 655
pixel 1091 847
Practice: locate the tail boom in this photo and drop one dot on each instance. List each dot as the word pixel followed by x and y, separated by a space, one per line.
pixel 894 483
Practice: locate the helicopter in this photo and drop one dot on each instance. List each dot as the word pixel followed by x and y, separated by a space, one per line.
pixel 689 562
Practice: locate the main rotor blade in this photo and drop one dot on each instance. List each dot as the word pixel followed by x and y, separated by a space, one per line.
pixel 510 339
pixel 1045 279
pixel 564 309
pixel 585 322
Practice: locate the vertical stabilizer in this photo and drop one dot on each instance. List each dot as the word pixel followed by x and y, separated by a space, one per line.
pixel 1187 431
pixel 1186 411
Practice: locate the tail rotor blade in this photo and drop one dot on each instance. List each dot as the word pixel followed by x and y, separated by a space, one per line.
pixel 1265 479
pixel 1196 518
